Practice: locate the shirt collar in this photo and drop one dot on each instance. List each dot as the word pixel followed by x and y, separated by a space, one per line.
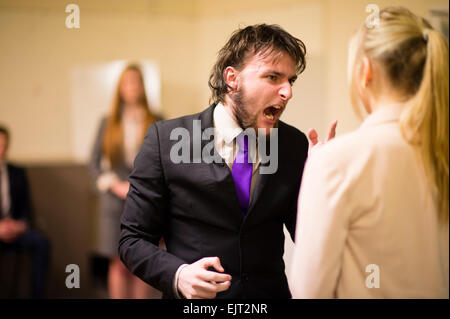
pixel 226 130
pixel 226 127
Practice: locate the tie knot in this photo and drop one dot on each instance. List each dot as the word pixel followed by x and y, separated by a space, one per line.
pixel 242 142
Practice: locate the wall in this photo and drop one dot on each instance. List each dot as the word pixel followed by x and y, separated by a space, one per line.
pixel 182 37
pixel 38 54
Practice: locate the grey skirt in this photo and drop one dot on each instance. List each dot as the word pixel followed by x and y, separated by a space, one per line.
pixel 111 208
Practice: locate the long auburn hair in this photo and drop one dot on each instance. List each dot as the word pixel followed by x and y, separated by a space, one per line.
pixel 113 135
pixel 416 58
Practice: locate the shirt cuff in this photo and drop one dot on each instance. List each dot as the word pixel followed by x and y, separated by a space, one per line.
pixel 175 282
pixel 105 181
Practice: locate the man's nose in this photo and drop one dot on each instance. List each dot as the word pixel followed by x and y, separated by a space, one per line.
pixel 286 91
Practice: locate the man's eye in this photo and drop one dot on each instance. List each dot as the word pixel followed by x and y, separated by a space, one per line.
pixel 272 77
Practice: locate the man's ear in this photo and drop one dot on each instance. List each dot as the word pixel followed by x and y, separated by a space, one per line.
pixel 231 75
pixel 366 71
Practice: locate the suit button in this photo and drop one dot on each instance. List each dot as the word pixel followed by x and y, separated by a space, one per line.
pixel 244 276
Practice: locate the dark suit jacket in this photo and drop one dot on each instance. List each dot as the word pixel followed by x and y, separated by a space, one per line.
pixel 19 193
pixel 194 206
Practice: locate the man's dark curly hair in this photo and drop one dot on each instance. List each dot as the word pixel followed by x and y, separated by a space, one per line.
pixel 256 39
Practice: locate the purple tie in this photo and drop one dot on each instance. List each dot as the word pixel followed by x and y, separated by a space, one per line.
pixel 242 172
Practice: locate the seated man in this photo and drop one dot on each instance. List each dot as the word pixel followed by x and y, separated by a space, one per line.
pixel 15 214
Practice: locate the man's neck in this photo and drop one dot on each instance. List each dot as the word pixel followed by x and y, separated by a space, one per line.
pixel 228 104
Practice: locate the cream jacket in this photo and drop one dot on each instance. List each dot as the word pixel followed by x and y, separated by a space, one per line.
pixel 367 224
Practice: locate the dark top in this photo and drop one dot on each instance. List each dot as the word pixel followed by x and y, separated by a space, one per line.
pixel 19 193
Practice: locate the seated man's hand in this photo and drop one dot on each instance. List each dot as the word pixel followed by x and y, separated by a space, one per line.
pixel 314 137
pixel 10 229
pixel 19 227
pixel 195 281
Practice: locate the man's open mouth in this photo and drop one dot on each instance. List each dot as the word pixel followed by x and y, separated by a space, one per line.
pixel 272 111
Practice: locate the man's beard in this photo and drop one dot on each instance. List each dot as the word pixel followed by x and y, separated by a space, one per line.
pixel 243 117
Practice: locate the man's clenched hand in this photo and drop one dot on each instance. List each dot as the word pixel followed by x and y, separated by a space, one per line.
pixel 195 281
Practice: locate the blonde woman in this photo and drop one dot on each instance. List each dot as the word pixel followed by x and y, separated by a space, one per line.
pixel 373 208
pixel 118 141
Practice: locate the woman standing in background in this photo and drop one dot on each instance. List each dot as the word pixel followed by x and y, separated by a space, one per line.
pixel 373 217
pixel 118 141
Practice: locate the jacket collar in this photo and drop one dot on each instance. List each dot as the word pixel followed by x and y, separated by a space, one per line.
pixel 206 117
pixel 384 114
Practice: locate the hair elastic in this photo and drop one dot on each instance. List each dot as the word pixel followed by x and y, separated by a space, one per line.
pixel 425 34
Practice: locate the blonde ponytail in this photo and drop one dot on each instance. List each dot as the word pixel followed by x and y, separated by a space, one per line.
pixel 425 121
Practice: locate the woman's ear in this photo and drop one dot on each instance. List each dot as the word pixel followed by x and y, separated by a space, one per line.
pixel 230 75
pixel 366 71
pixel 364 78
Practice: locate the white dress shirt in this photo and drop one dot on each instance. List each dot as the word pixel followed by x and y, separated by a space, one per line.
pixel 365 201
pixel 5 198
pixel 225 132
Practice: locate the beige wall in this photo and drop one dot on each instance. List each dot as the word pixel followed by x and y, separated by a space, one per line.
pixel 344 18
pixel 38 54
